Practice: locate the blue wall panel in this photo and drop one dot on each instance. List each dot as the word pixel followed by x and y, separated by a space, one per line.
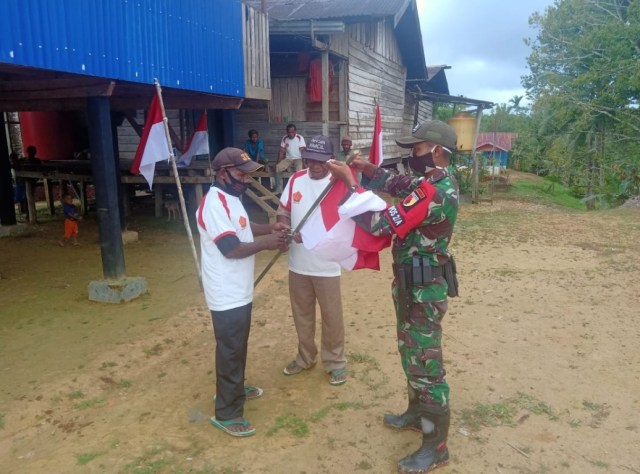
pixel 187 44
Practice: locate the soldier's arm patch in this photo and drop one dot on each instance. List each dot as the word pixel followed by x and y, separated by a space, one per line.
pixel 412 210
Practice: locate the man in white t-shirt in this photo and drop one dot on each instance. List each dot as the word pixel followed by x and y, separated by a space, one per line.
pixel 311 278
pixel 228 248
pixel 290 155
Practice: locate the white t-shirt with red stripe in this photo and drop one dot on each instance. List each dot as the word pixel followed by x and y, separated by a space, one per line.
pixel 298 196
pixel 292 146
pixel 227 282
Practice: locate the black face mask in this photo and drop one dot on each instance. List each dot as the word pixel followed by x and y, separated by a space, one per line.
pixel 420 163
pixel 235 187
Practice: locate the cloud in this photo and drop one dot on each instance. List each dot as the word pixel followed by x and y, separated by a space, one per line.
pixel 483 42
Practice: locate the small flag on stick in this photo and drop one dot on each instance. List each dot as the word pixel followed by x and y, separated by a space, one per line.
pixel 153 146
pixel 198 144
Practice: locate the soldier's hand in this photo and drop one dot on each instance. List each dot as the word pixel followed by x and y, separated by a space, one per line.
pixel 341 171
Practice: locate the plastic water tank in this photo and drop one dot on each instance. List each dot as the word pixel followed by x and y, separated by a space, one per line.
pixel 465 126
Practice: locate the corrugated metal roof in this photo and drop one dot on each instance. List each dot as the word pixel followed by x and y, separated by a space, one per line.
pixel 501 140
pixel 331 9
pixel 191 45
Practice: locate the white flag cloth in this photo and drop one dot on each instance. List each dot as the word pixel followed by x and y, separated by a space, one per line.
pixel 330 232
pixel 153 145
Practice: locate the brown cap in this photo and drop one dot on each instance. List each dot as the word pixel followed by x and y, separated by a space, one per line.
pixel 235 158
pixel 319 148
pixel 346 138
pixel 433 131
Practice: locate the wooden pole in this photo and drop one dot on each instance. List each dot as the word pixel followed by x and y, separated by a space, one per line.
pixel 325 92
pixel 476 172
pixel 183 207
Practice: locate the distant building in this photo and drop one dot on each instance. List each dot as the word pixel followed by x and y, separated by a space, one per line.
pixel 496 147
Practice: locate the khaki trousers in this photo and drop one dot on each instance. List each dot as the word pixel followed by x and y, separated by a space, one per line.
pixel 304 291
pixel 281 167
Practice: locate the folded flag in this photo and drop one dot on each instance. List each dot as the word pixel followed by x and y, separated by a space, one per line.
pixel 198 144
pixel 331 234
pixel 153 145
pixel 375 155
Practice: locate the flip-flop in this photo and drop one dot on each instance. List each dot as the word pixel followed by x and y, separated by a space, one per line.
pixel 338 376
pixel 225 424
pixel 250 392
pixel 253 392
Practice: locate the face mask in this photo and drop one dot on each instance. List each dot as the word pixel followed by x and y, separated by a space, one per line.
pixel 235 187
pixel 423 163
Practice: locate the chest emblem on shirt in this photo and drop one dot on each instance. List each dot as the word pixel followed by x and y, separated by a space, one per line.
pixel 297 196
pixel 243 221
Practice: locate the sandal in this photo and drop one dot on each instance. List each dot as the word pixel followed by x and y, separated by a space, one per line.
pixel 251 393
pixel 225 425
pixel 293 368
pixel 338 376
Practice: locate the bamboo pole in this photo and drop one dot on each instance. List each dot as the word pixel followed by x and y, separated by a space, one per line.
pixel 183 207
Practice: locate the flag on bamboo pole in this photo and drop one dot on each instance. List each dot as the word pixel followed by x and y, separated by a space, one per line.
pixel 198 143
pixel 375 155
pixel 153 145
pixel 332 234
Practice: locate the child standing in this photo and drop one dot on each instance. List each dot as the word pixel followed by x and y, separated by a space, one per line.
pixel 71 218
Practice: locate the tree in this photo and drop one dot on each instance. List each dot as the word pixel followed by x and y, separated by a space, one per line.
pixel 585 82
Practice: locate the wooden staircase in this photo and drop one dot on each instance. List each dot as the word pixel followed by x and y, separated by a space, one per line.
pixel 264 198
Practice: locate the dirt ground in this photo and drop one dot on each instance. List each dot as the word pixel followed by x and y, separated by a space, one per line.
pixel 541 351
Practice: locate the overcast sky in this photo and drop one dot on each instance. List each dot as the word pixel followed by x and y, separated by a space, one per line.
pixel 483 43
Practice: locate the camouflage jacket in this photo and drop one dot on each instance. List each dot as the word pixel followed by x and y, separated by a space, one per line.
pixel 434 226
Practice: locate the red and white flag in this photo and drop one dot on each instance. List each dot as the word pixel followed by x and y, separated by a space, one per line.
pixel 375 155
pixel 153 146
pixel 198 144
pixel 331 234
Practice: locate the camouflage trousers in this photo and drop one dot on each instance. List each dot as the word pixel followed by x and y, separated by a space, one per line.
pixel 420 344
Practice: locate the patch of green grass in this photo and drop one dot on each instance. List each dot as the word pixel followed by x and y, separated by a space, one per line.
pixel 364 465
pixel 487 414
pixel 75 395
pixel 535 406
pixel 497 414
pixel 292 423
pixel 319 415
pixel 599 412
pixel 361 358
pixel 541 191
pixel 89 403
pixel 600 464
pixel 153 351
pixel 1 421
pixel 84 458
pixel 124 383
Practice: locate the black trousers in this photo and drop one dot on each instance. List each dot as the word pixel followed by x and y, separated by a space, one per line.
pixel 231 330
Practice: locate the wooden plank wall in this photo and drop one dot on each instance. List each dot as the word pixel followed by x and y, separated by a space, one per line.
pixel 376 72
pixel 257 68
pixel 255 114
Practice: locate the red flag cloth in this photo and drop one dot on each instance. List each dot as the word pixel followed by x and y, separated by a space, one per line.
pixel 198 143
pixel 153 146
pixel 330 232
pixel 375 155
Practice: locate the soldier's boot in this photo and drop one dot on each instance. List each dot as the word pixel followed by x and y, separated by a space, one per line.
pixel 410 419
pixel 433 453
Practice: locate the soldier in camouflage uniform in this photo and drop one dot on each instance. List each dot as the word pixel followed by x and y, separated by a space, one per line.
pixel 422 223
